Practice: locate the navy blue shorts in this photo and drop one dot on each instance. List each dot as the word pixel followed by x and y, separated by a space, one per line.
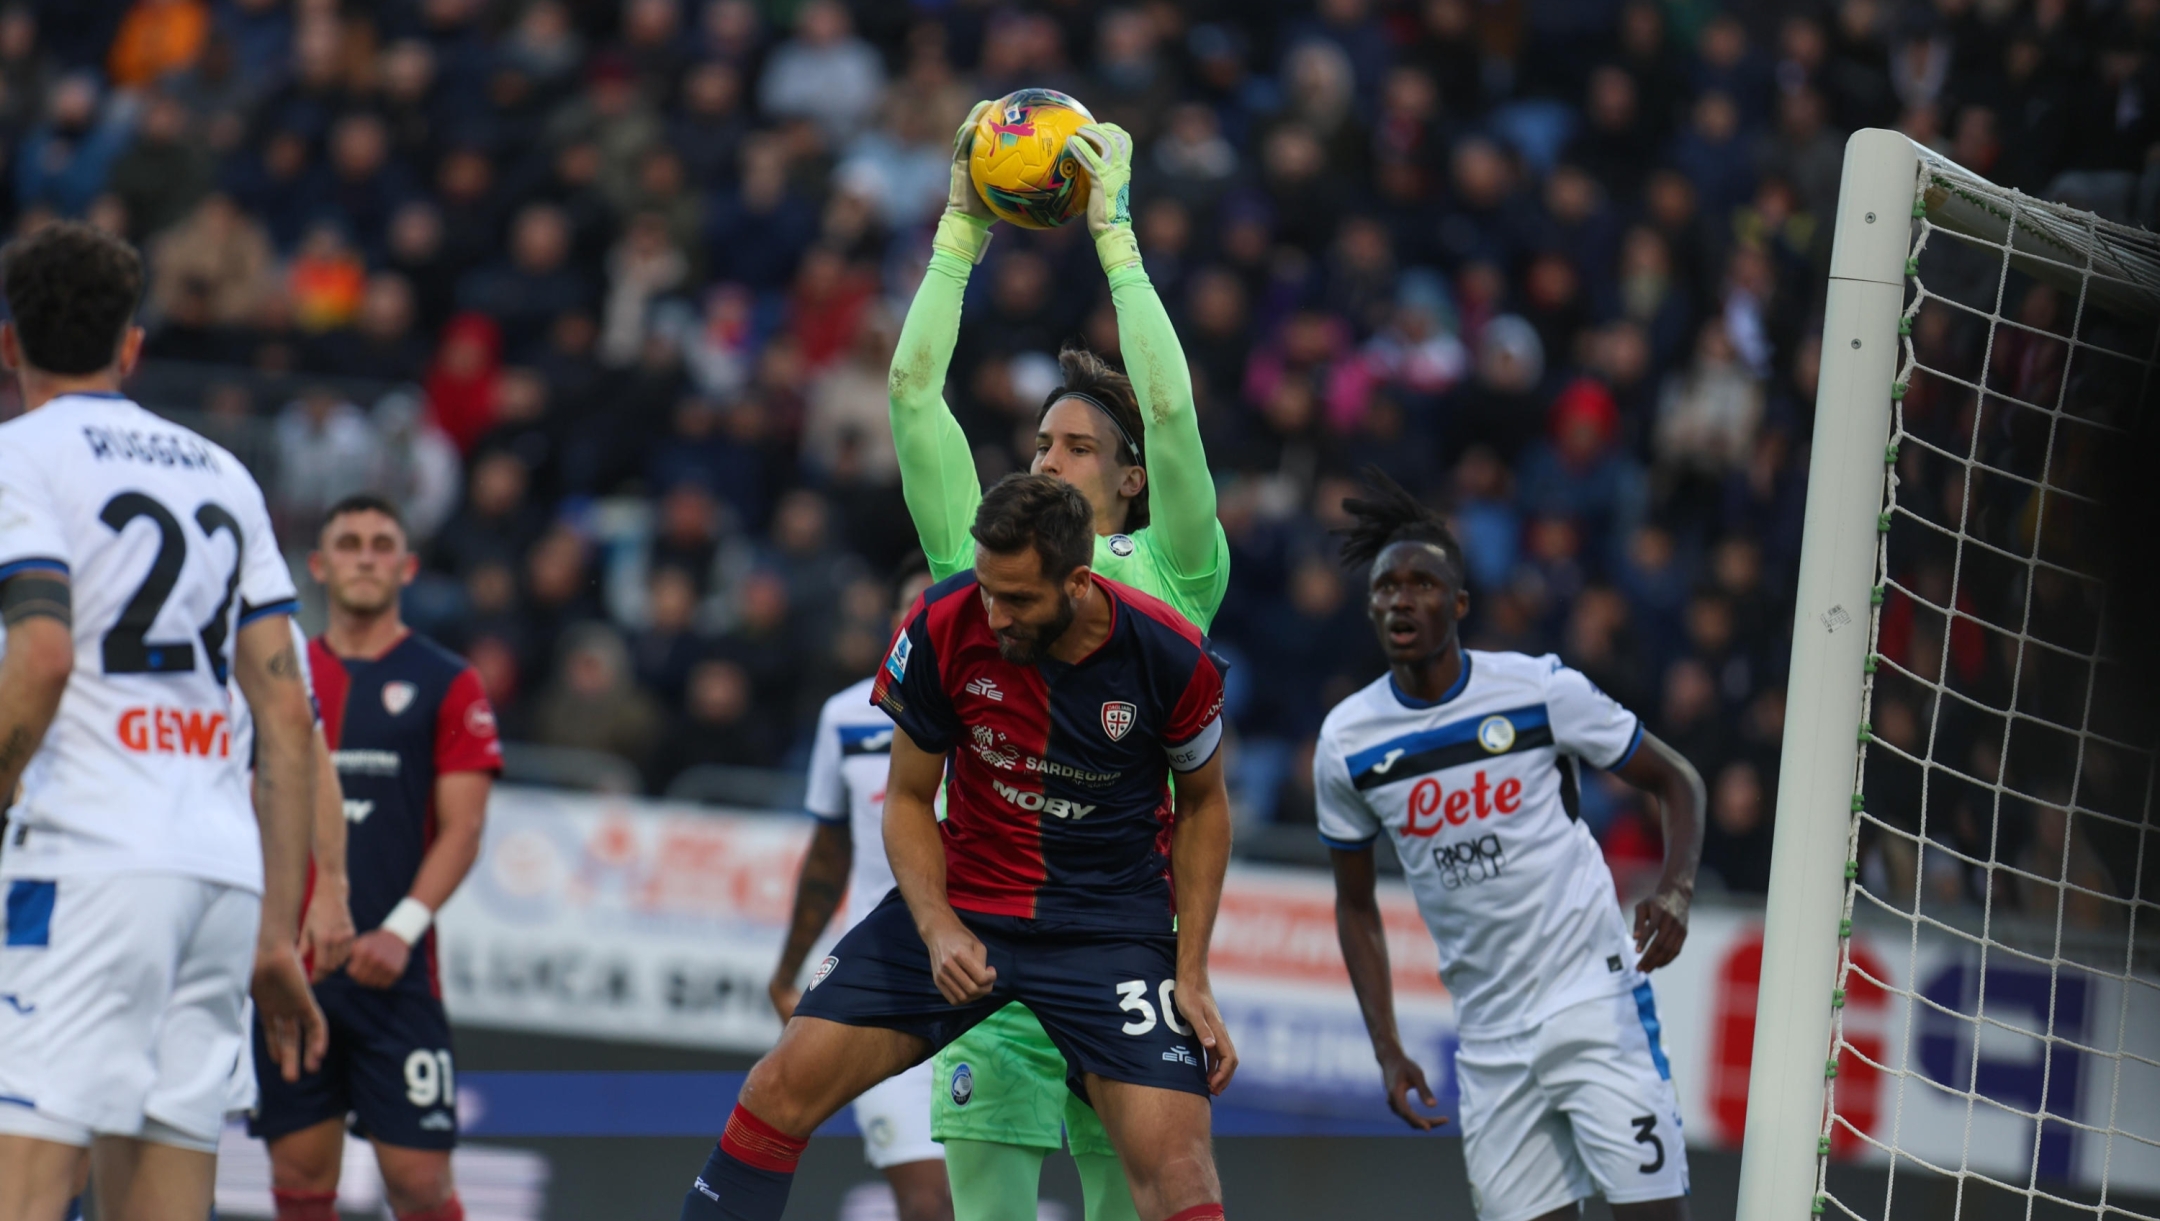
pixel 389 1070
pixel 1103 997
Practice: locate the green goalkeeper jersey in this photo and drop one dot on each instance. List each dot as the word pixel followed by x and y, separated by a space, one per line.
pixel 1181 556
pixel 1004 1081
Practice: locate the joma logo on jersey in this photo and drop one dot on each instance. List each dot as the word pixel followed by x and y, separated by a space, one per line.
pixel 1431 807
pixel 1032 802
pixel 175 731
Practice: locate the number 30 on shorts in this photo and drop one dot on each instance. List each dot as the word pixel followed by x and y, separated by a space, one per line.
pixel 429 1080
pixel 1132 998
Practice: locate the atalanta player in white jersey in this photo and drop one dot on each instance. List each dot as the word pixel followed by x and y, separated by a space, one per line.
pixel 414 742
pixel 1471 763
pixel 848 762
pixel 145 898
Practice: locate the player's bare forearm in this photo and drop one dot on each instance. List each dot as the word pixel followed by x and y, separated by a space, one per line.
pixel 460 816
pixel 1661 920
pixel 1363 936
pixel 326 928
pixel 37 608
pixel 913 844
pixel 1199 857
pixel 328 843
pixel 959 963
pixel 271 680
pixel 818 889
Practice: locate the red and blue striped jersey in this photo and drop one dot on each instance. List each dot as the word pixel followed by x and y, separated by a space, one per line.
pixel 1058 801
pixel 395 724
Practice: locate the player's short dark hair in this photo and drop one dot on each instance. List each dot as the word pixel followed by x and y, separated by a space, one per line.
pixel 71 292
pixel 364 502
pixel 1050 515
pixel 1392 515
pixel 1092 377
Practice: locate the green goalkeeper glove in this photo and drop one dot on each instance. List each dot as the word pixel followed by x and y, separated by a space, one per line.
pixel 1106 151
pixel 964 230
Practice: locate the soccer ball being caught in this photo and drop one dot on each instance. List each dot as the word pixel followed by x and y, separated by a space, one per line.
pixel 1019 163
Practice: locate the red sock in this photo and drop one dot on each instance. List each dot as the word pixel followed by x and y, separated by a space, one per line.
pixel 754 1142
pixel 1200 1212
pixel 305 1205
pixel 451 1209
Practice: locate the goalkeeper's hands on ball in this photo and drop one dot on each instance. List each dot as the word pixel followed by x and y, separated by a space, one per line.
pixel 964 229
pixel 1105 150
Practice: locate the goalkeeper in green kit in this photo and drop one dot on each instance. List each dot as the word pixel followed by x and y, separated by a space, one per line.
pixel 1132 446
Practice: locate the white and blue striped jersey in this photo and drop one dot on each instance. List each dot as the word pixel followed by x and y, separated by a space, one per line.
pixel 849 762
pixel 1480 791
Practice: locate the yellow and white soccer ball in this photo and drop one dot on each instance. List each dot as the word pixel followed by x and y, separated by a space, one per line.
pixel 1019 163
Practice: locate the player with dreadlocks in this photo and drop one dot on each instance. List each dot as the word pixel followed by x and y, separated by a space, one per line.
pixel 1471 763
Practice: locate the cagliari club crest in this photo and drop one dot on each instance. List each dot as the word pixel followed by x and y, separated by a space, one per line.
pixel 1117 718
pixel 397 696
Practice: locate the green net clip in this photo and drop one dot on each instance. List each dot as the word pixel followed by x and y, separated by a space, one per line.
pixel 1897 391
pixel 1852 870
pixel 1822 1149
pixel 1844 927
pixel 1868 666
pixel 1882 524
pixel 1889 453
pixel 1837 999
pixel 1857 804
pixel 1904 324
pixel 1829 1069
pixel 1912 266
pixel 1919 205
pixel 1817 1208
pixel 1866 731
pixel 1875 595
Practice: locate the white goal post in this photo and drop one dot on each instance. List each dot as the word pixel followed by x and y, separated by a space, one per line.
pixel 2076 1129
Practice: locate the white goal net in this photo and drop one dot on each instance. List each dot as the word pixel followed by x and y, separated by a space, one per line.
pixel 1993 1011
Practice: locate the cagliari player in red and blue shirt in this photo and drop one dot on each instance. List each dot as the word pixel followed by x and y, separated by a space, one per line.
pixel 1074 710
pixel 414 741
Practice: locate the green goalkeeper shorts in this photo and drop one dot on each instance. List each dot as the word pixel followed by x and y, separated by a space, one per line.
pixel 1004 1082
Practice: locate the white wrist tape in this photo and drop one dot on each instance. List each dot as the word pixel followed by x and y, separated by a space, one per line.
pixel 408 920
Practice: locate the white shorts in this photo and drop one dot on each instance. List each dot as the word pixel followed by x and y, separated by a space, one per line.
pixel 894 1116
pixel 1582 1105
pixel 124 1008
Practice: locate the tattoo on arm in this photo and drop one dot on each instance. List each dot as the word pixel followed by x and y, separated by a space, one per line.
pixel 284 664
pixel 15 752
pixel 34 595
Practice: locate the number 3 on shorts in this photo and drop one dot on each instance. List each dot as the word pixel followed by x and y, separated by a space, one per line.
pixel 1132 998
pixel 428 1078
pixel 1646 1134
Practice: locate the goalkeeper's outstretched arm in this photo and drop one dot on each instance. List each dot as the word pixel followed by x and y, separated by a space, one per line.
pixel 937 470
pixel 1181 492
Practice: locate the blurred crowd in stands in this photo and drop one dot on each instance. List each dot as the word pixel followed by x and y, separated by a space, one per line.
pixel 605 290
